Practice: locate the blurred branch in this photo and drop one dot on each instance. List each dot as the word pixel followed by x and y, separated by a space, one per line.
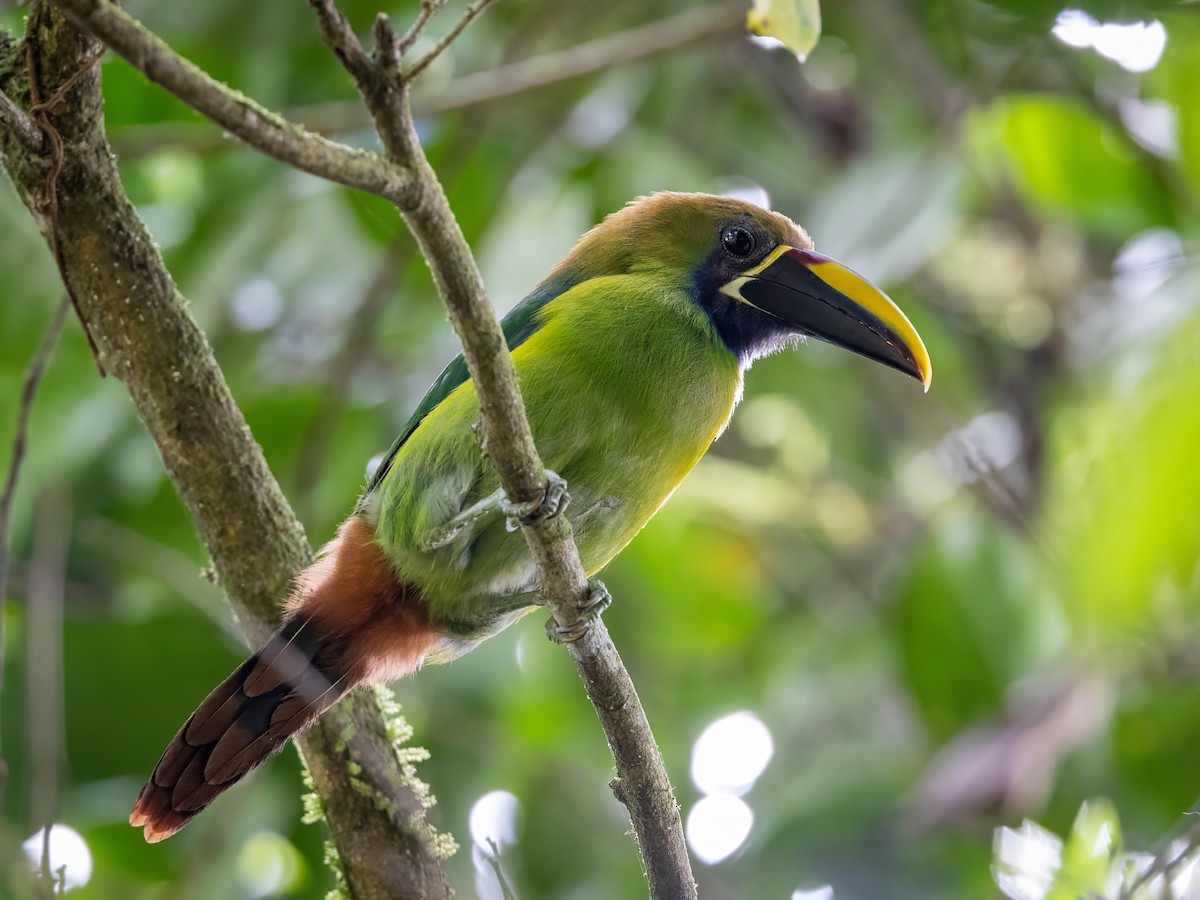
pixel 33 378
pixel 910 55
pixel 1168 175
pixel 355 351
pixel 473 12
pixel 167 565
pixel 44 670
pixel 148 340
pixel 407 179
pixel 642 783
pixel 644 42
pixel 678 32
pixel 1164 865
pixel 429 9
pixel 262 129
pixel 493 859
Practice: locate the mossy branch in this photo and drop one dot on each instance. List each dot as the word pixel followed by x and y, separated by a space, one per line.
pixel 147 338
pixel 645 788
pixel 405 176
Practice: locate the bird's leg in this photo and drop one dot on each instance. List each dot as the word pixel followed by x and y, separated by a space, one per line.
pixel 494 615
pixel 511 603
pixel 498 608
pixel 597 601
pixel 554 500
pixel 464 520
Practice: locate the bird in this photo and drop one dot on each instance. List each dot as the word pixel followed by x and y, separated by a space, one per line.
pixel 630 356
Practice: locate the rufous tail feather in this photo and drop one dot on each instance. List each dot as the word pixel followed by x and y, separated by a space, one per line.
pixel 350 621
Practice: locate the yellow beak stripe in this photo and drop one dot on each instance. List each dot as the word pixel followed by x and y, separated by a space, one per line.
pixel 734 288
pixel 876 302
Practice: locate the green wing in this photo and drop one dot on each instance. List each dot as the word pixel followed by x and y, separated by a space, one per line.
pixel 518 325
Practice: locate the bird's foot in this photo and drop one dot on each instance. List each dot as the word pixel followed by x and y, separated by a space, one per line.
pixel 554 500
pixel 597 601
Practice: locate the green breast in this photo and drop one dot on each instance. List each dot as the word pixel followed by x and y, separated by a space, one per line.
pixel 626 386
pixel 626 389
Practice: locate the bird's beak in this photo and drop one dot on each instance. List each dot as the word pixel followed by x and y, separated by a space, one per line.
pixel 821 297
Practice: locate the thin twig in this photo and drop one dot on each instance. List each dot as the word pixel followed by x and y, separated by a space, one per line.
pixel 1164 863
pixel 246 120
pixel 43 668
pixel 33 378
pixel 429 10
pixel 355 351
pixel 257 545
pixel 508 442
pixel 493 858
pixel 670 35
pixel 15 120
pixel 473 12
pixel 694 26
pixel 341 39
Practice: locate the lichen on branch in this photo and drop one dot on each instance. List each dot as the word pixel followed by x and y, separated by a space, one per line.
pixel 146 337
pixel 194 397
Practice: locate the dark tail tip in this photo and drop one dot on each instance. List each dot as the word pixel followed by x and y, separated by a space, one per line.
pixel 279 691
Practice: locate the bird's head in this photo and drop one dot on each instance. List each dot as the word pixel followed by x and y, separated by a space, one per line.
pixel 756 275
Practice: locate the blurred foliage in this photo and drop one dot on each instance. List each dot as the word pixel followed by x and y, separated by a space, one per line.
pixel 1032 862
pixel 951 611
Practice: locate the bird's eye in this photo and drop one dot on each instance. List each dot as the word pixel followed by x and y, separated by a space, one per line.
pixel 738 241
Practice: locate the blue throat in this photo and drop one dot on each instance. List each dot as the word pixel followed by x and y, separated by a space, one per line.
pixel 749 333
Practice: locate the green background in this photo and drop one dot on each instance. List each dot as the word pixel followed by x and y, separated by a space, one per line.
pixel 951 610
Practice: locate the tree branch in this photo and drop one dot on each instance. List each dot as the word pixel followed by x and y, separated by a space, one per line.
pixel 429 9
pixel 644 786
pixel 472 13
pixel 506 438
pixel 341 39
pixel 14 118
pixel 702 23
pixel 149 341
pixel 669 35
pixel 44 671
pixel 33 378
pixel 239 115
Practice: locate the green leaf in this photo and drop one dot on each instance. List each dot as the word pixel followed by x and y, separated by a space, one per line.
pixel 1128 494
pixel 1068 161
pixel 1174 79
pixel 794 23
pixel 974 613
pixel 1154 739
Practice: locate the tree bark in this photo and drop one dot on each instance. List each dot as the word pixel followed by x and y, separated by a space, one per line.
pixel 146 337
pixel 642 785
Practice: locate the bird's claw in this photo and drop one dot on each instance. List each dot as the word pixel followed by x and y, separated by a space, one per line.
pixel 597 601
pixel 554 500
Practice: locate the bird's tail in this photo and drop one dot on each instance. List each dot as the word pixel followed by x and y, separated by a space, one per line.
pixel 350 622
pixel 278 691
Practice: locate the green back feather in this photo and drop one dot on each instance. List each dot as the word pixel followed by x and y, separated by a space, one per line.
pixel 521 321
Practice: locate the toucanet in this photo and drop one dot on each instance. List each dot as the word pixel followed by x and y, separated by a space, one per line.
pixel 630 356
